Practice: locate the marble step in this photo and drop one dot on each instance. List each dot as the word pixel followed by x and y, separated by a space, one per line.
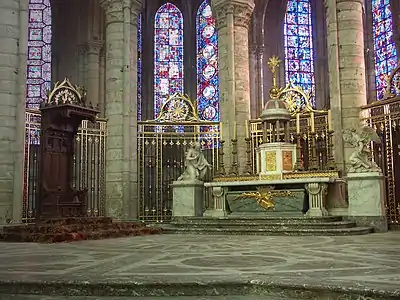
pixel 269 231
pixel 257 219
pixel 260 224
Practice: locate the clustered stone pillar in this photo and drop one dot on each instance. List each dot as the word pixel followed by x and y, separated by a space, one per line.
pixel 395 6
pixel 347 80
pixel 13 50
pixel 93 72
pixel 121 106
pixel 256 66
pixel 233 18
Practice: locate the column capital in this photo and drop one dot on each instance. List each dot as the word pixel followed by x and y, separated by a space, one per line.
pixel 134 5
pixel 81 49
pixel 241 10
pixel 114 9
pixel 354 1
pixel 94 46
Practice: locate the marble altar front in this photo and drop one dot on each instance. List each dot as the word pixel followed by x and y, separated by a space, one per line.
pixel 313 204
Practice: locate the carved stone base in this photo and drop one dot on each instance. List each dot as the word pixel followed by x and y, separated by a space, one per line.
pixel 316 197
pixel 188 198
pixel 218 209
pixel 367 199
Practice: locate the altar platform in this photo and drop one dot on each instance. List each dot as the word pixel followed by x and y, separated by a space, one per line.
pixel 168 266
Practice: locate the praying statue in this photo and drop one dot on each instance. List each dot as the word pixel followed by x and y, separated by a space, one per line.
pixel 360 139
pixel 196 164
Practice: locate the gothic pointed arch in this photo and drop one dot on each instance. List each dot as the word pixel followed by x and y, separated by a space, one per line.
pixel 386 56
pixel 207 64
pixel 38 81
pixel 168 54
pixel 298 43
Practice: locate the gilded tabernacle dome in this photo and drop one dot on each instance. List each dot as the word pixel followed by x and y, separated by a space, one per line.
pixel 275 109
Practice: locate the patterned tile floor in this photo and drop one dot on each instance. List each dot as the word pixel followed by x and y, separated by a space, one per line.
pixel 370 261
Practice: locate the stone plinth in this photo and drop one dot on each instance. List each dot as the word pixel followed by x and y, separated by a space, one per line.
pixel 367 200
pixel 188 198
pixel 274 159
pixel 317 198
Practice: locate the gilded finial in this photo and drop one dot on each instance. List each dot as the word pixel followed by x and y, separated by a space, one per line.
pixel 273 64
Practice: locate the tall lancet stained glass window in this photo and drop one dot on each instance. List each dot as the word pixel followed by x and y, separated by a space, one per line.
pixel 168 54
pixel 384 46
pixel 207 64
pixel 299 56
pixel 39 52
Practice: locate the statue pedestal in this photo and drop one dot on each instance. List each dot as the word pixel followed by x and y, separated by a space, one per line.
pixel 274 159
pixel 188 198
pixel 367 198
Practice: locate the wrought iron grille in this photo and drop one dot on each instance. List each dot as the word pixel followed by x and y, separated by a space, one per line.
pixel 384 117
pixel 161 155
pixel 89 164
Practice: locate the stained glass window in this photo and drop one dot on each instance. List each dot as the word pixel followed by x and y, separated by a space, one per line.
pixel 299 57
pixel 207 64
pixel 139 69
pixel 39 52
pixel 168 54
pixel 384 46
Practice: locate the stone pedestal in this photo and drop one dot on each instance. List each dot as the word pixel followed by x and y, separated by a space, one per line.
pixel 336 202
pixel 274 159
pixel 188 198
pixel 219 205
pixel 367 200
pixel 317 198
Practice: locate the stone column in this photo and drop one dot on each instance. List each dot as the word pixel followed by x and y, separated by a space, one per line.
pixel 347 69
pixel 13 28
pixel 233 18
pixel 395 7
pixel 93 72
pixel 81 65
pixel 102 82
pixel 121 108
pixel 253 83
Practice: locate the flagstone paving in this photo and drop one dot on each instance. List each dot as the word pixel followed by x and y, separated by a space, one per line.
pixel 362 262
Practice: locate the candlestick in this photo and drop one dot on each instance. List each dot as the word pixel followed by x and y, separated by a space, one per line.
pixel 312 122
pixel 298 123
pixel 220 130
pixel 329 120
pixel 234 130
pixel 247 129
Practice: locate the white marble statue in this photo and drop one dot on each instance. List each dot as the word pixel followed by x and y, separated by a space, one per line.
pixel 359 139
pixel 196 164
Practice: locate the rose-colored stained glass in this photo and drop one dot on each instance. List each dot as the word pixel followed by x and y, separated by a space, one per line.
pixel 384 46
pixel 207 72
pixel 39 53
pixel 168 54
pixel 299 54
pixel 207 64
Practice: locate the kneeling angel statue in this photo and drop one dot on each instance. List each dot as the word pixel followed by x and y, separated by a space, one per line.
pixel 360 139
pixel 196 164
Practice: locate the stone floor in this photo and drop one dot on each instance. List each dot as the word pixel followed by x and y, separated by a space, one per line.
pixel 356 262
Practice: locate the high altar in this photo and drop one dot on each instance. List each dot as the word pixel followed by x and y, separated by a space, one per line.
pixel 290 170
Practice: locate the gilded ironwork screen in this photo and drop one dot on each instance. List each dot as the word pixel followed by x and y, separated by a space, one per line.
pixel 162 144
pixel 310 130
pixel 89 164
pixel 384 117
